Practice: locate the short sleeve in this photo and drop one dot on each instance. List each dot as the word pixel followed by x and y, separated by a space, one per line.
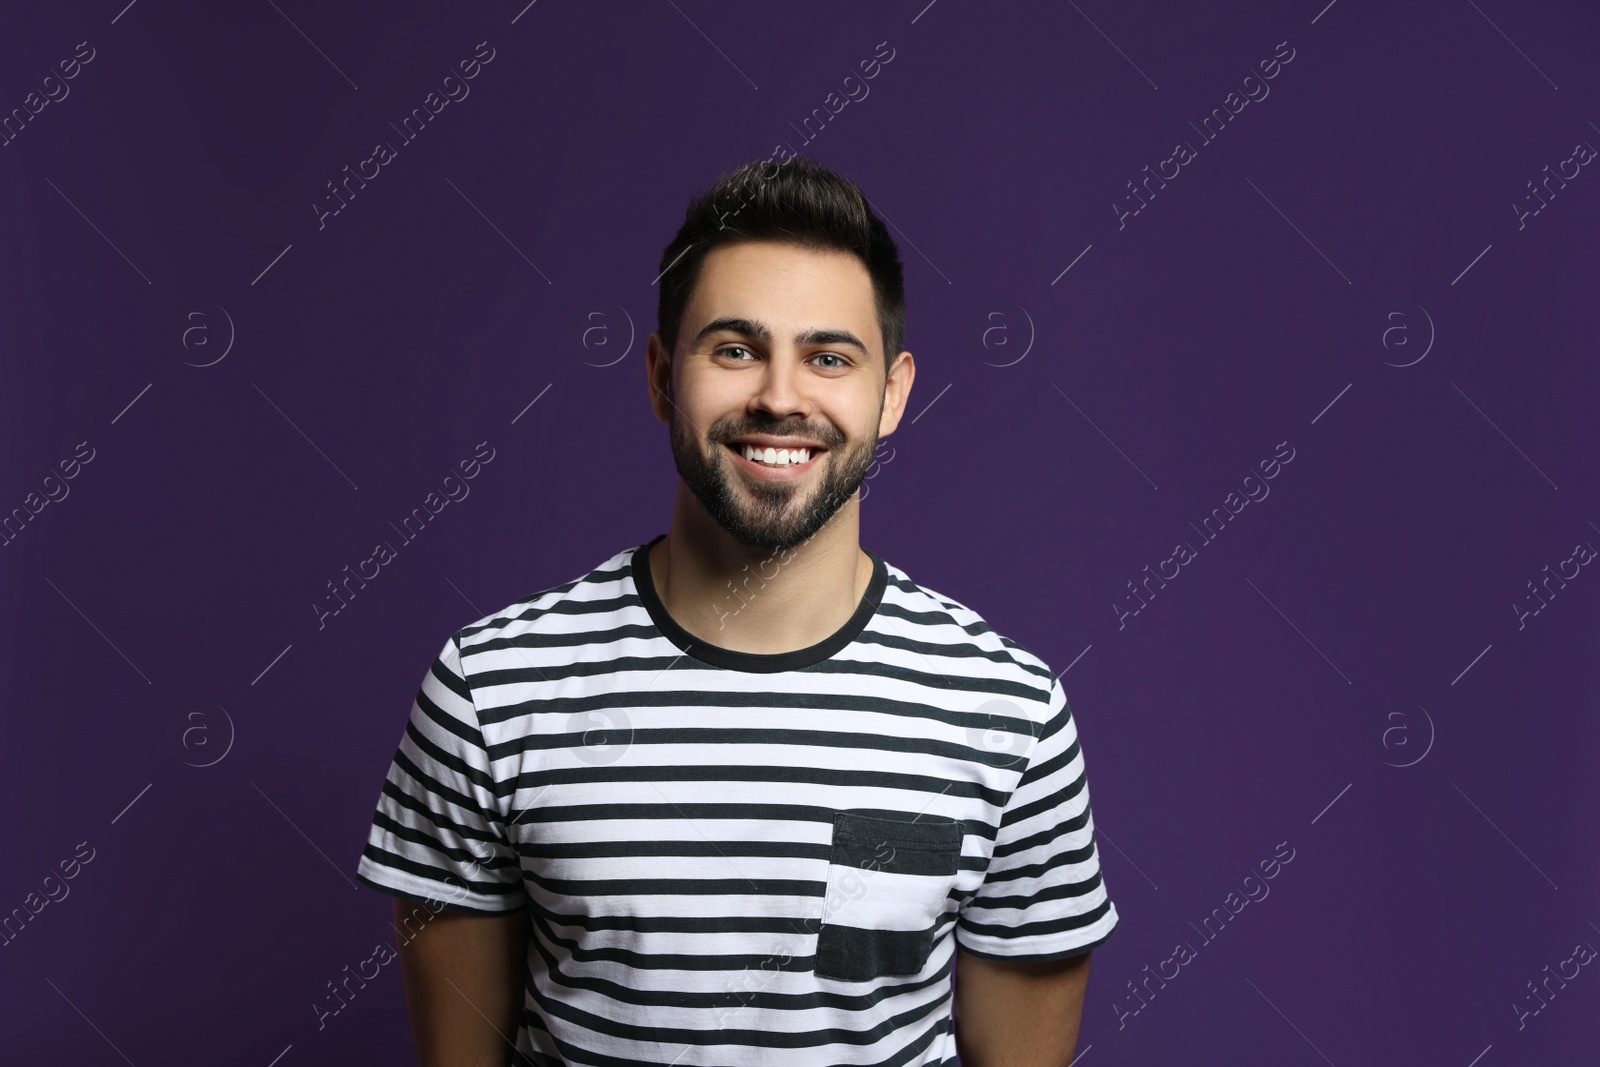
pixel 1042 896
pixel 438 836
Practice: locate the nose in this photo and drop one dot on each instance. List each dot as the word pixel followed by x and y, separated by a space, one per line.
pixel 781 388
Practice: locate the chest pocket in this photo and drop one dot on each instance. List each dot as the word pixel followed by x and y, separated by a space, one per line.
pixel 888 881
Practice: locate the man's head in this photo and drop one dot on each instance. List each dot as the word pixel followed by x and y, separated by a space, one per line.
pixel 799 202
pixel 781 317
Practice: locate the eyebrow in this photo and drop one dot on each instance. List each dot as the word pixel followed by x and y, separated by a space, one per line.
pixel 760 331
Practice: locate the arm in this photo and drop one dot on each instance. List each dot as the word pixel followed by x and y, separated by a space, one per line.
pixel 463 978
pixel 1021 1014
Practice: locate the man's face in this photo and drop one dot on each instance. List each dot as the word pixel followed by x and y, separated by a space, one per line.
pixel 767 350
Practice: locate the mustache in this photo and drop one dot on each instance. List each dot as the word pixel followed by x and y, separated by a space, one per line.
pixel 832 440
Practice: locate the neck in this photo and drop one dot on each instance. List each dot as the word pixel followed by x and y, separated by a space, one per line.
pixel 759 600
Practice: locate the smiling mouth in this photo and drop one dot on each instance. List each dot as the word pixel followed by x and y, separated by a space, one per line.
pixel 756 456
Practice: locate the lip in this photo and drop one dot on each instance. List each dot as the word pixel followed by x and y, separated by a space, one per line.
pixel 791 473
pixel 763 441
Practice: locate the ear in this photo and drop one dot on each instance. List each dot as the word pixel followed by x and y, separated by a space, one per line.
pixel 896 392
pixel 658 375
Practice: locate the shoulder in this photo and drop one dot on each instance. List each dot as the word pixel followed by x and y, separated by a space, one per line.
pixel 521 634
pixel 951 628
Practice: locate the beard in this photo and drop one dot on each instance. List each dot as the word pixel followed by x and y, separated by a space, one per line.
pixel 770 516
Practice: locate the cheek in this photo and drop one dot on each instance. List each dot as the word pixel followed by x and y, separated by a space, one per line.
pixel 712 409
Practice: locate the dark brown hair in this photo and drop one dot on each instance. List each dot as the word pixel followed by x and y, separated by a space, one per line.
pixel 798 202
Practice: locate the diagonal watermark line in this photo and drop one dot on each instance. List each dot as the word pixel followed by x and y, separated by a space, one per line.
pixel 1324 11
pixel 1290 1021
pixel 269 666
pixel 1469 266
pixel 1480 1055
pixel 313 44
pixel 1102 433
pixel 685 415
pixel 1513 44
pixel 1069 666
pixel 1063 274
pixel 88 1020
pixel 1098 832
pixel 1301 632
pixel 521 652
pixel 302 833
pixel 132 402
pixel 302 433
pixel 931 799
pixel 669 266
pixel 1502 433
pixel 1331 803
pixel 1468 667
pixel 924 11
pixel 1332 402
pixel 903 236
pixel 1301 232
pixel 524 11
pixel 131 803
pixel 665 669
pixel 123 12
pixel 274 263
pixel 932 402
pixel 99 631
pixel 532 402
pixel 501 232
pixel 101 232
pixel 713 44
pixel 1113 44
pixel 1502 833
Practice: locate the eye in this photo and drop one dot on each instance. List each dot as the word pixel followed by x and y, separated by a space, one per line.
pixel 834 355
pixel 733 348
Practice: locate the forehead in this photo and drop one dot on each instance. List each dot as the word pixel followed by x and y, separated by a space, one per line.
pixel 785 285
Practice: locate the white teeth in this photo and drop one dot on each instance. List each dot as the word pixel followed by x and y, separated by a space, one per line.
pixel 776 457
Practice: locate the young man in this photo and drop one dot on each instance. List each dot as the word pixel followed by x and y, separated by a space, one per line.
pixel 743 793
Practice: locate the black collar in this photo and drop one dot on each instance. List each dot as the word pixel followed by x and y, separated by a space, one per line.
pixel 754 662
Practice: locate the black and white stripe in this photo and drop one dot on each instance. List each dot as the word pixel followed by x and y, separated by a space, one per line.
pixel 739 859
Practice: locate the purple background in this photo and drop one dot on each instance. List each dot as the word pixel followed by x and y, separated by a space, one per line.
pixel 1065 429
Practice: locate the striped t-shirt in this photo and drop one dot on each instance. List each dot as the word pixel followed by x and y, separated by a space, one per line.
pixel 732 858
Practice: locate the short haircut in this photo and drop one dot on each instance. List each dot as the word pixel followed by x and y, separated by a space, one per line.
pixel 798 202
